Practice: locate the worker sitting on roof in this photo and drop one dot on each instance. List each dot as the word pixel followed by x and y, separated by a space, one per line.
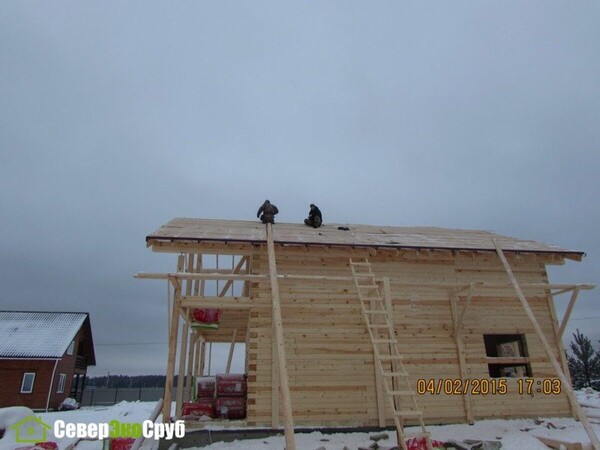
pixel 315 218
pixel 268 212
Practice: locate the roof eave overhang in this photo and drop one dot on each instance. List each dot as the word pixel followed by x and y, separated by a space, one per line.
pixel 150 240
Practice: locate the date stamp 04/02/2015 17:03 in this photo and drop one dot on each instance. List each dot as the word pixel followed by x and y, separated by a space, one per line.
pixel 488 386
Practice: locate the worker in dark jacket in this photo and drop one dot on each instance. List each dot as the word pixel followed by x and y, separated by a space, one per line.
pixel 315 218
pixel 268 211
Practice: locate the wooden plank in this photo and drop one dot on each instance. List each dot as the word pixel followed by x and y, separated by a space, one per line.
pixel 560 445
pixel 216 302
pixel 198 356
pixel 279 339
pixel 459 322
pixel 389 307
pixel 182 363
pixel 199 276
pixel 378 381
pixel 292 277
pixel 235 270
pixel 428 238
pixel 460 350
pixel 173 333
pixel 231 348
pixel 507 360
pixel 190 367
pixel 274 380
pixel 566 386
pixel 561 349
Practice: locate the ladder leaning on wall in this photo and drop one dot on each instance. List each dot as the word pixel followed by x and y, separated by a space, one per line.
pixel 387 356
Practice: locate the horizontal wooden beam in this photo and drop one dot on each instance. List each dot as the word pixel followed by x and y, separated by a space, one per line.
pixel 483 285
pixel 207 248
pixel 506 360
pixel 200 276
pixel 249 277
pixel 216 302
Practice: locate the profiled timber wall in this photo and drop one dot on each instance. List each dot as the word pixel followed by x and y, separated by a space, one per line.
pixel 329 355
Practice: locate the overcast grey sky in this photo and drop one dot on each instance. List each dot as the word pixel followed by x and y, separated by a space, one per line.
pixel 116 117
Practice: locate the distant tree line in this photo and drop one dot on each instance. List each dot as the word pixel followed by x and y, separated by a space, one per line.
pixel 584 363
pixel 125 381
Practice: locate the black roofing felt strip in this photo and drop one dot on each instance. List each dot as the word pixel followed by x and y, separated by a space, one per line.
pixel 415 247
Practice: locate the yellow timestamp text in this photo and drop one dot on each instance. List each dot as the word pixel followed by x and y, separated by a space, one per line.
pixel 546 386
pixel 455 386
pixel 488 386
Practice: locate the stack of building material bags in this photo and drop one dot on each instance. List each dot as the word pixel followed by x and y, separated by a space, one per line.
pixel 206 318
pixel 230 402
pixel 203 407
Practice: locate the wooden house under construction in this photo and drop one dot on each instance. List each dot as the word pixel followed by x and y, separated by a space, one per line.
pixel 372 326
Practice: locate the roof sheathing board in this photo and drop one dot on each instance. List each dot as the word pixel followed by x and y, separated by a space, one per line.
pixel 358 236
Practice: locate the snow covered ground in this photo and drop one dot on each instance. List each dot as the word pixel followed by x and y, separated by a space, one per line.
pixel 514 434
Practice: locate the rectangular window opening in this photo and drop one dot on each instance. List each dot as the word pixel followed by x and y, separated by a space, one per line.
pixel 27 383
pixel 61 383
pixel 507 355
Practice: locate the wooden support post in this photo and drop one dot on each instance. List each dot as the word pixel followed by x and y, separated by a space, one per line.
pixel 202 356
pixel 561 349
pixel 198 269
pixel 284 387
pixel 199 355
pixel 566 385
pixel 568 312
pixel 181 373
pixel 389 307
pixel 379 391
pixel 173 333
pixel 274 380
pixel 460 349
pixel 387 298
pixel 231 348
pixel 190 368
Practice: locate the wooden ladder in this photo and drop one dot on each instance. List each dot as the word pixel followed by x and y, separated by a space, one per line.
pixel 387 356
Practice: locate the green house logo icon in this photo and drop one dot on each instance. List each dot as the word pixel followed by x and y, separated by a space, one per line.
pixel 31 429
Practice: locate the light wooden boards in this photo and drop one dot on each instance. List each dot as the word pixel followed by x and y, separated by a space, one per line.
pixel 185 229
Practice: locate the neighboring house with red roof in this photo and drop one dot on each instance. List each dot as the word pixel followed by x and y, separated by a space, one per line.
pixel 43 357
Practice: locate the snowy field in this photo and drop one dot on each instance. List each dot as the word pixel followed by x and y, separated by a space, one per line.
pixel 513 434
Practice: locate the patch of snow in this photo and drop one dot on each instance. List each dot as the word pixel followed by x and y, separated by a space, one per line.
pixel 516 434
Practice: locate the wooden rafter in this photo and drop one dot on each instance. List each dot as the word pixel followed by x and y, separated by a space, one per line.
pixel 566 385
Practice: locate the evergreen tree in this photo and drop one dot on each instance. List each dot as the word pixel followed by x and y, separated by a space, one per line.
pixel 584 363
